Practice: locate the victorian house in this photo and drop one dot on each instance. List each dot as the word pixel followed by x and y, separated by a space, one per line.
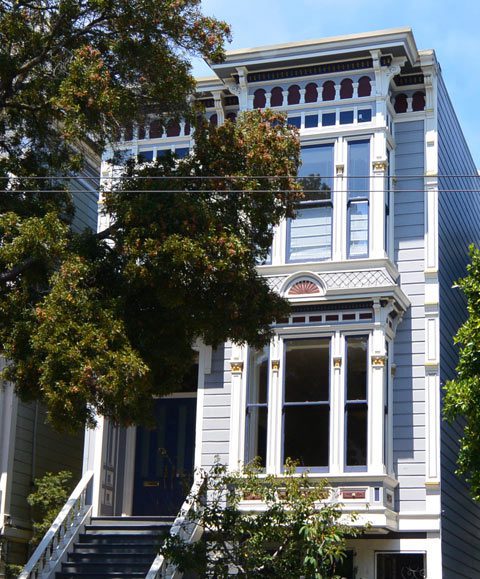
pixel 351 384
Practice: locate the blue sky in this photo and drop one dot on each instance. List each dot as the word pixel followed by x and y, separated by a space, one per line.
pixel 450 27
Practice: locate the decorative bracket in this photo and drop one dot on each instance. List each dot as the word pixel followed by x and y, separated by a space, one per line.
pixel 236 367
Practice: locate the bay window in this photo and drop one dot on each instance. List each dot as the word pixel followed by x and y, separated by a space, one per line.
pixel 358 198
pixel 310 233
pixel 305 403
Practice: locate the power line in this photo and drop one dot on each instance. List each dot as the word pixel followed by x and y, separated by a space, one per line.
pixel 238 191
pixel 233 177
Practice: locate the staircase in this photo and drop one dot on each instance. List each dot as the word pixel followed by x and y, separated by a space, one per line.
pixel 116 547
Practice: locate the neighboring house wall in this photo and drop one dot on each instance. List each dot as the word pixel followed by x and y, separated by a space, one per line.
pixel 459 218
pixel 409 345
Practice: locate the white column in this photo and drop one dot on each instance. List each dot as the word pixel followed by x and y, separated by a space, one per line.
pixel 355 90
pixel 218 100
pixel 377 206
pixel 409 104
pixel 8 422
pixel 268 96
pixel 339 239
pixel 237 418
pixel 376 391
pixel 274 437
pixel 337 405
pixel 302 96
pixel 93 458
pixel 337 92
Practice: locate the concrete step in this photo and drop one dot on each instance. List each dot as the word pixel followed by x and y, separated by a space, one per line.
pixel 109 549
pixel 105 568
pixel 134 521
pixel 112 558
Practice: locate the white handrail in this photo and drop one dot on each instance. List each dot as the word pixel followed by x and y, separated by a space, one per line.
pixel 188 530
pixel 63 528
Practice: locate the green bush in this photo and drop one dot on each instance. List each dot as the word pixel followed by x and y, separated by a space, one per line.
pixel 50 493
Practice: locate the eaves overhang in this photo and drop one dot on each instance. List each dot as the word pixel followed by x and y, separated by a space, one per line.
pixel 397 42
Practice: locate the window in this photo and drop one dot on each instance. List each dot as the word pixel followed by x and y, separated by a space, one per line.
pixel 257 406
pixel 356 406
pixel 181 152
pixel 358 197
pixel 328 119
pixel 400 565
pixel 311 121
pixel 346 117
pixel 310 233
pixel 295 121
pixel 306 405
pixel 364 115
pixel 145 156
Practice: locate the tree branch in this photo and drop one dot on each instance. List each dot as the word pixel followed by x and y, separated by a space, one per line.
pixel 12 274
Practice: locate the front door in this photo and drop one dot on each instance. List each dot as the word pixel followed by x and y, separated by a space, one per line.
pixel 164 458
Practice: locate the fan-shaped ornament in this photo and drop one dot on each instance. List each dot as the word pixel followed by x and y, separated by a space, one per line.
pixel 304 287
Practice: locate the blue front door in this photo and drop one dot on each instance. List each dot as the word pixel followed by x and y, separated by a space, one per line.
pixel 164 458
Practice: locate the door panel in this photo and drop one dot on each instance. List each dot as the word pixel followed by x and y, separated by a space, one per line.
pixel 164 458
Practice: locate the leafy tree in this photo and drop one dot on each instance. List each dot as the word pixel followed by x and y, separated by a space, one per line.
pixel 462 395
pixel 295 531
pixel 98 323
pixel 50 493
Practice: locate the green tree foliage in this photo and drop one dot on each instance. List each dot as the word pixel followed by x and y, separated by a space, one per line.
pixel 293 530
pixel 100 323
pixel 50 493
pixel 462 395
pixel 123 309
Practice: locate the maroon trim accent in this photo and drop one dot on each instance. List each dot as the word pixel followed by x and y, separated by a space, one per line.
pixel 311 93
pixel 401 104
pixel 418 101
pixel 298 320
pixel 364 87
pixel 156 129
pixel 328 91
pixel 346 88
pixel 331 318
pixel 365 316
pixel 348 316
pixel 315 318
pixel 353 494
pixel 213 120
pixel 276 99
pixel 293 94
pixel 259 99
pixel 173 129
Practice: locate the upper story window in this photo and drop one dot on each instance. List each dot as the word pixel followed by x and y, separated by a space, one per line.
pixel 310 233
pixel 356 404
pixel 364 87
pixel 358 163
pixel 257 406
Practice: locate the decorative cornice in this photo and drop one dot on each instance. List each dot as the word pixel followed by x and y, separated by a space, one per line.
pixel 316 70
pixel 236 367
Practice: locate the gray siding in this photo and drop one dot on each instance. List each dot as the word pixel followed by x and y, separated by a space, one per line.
pixel 409 346
pixel 216 409
pixel 39 449
pixel 459 218
pixel 84 189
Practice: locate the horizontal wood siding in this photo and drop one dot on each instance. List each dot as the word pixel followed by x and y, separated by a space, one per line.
pixel 53 452
pixel 409 347
pixel 216 409
pixel 84 188
pixel 459 225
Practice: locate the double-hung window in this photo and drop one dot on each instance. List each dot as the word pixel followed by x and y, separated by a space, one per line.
pixel 306 403
pixel 356 403
pixel 257 406
pixel 310 233
pixel 358 197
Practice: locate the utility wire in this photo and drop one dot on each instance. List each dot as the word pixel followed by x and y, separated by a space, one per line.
pixel 233 177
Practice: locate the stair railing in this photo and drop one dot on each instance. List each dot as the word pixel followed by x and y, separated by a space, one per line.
pixel 65 528
pixel 186 527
